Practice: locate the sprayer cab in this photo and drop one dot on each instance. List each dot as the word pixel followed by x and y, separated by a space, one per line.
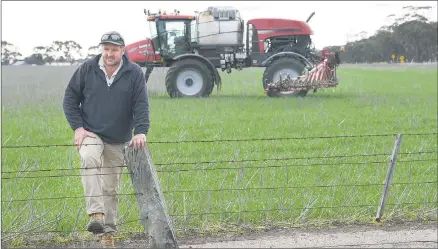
pixel 170 33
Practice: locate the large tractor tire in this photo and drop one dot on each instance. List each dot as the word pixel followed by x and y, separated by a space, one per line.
pixel 283 67
pixel 189 78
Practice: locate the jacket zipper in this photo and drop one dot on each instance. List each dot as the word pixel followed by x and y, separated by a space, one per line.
pixel 102 74
pixel 116 79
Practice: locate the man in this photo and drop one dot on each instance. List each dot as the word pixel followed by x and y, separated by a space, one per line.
pixel 105 100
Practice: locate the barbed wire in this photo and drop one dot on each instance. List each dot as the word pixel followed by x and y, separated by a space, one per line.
pixel 57 176
pixel 240 168
pixel 300 208
pixel 227 140
pixel 289 166
pixel 67 197
pixel 290 158
pixel 295 187
pixel 232 189
pixel 234 212
pixel 188 170
pixel 271 159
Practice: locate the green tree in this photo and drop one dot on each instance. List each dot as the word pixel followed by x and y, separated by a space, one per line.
pixel 9 53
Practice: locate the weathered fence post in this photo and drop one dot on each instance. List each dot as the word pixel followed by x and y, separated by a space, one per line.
pixel 389 175
pixel 153 210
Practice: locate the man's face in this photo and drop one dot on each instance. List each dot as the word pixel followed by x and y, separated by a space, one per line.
pixel 112 54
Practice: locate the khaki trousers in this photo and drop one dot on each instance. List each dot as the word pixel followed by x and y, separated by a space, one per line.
pixel 101 170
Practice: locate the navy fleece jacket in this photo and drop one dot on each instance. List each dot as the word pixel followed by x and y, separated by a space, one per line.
pixel 110 112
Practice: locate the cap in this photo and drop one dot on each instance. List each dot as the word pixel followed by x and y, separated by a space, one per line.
pixel 112 37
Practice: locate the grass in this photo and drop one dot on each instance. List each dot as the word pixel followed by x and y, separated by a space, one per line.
pixel 210 196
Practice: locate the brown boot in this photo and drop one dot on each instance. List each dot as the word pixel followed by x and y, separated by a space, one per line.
pixel 96 223
pixel 108 240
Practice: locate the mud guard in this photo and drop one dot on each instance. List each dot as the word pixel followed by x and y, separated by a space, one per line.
pixel 216 76
pixel 307 63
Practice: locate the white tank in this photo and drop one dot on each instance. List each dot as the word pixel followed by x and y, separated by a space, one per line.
pixel 219 25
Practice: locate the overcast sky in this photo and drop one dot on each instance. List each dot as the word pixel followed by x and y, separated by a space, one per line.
pixel 30 24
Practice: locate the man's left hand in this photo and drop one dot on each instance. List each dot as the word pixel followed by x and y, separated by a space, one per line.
pixel 138 141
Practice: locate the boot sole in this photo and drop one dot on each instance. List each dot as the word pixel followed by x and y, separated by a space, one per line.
pixel 95 227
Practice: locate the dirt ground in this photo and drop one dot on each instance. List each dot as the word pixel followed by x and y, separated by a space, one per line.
pixel 395 235
pixel 347 237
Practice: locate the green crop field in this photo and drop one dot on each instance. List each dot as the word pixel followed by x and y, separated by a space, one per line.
pixel 229 184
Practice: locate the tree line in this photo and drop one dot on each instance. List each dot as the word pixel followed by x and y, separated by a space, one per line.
pixel 59 51
pixel 411 37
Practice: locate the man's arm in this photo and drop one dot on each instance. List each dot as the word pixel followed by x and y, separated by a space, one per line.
pixel 140 104
pixel 73 97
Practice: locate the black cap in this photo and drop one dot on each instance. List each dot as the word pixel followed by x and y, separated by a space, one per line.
pixel 112 37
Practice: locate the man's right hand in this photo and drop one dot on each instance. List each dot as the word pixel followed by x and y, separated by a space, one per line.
pixel 80 134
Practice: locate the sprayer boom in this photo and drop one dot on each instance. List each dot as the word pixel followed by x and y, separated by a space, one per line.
pixel 322 76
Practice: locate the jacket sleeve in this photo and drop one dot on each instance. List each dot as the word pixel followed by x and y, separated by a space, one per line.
pixel 140 104
pixel 73 98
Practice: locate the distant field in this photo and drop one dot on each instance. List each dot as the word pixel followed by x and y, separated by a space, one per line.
pixel 309 189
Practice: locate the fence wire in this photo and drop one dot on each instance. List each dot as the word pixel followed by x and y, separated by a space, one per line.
pixel 234 212
pixel 187 170
pixel 229 189
pixel 184 214
pixel 226 140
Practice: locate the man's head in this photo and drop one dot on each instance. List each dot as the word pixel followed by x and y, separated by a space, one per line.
pixel 113 48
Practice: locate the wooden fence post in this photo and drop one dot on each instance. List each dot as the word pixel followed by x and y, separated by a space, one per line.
pixel 153 210
pixel 389 175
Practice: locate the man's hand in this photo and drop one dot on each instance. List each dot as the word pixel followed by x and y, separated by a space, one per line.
pixel 138 141
pixel 80 134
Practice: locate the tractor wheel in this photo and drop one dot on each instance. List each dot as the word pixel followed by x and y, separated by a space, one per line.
pixel 283 67
pixel 189 78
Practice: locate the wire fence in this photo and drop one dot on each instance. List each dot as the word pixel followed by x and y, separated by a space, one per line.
pixel 229 140
pixel 215 162
pixel 207 194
